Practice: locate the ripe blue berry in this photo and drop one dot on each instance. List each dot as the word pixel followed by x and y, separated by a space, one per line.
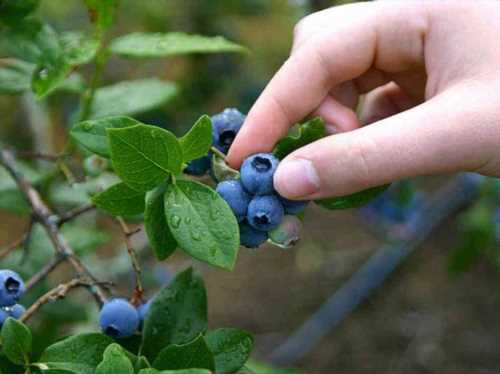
pixel 143 309
pixel 16 311
pixel 225 126
pixel 234 194
pixel 250 237
pixel 293 207
pixel 198 166
pixel 257 173
pixel 287 233
pixel 265 212
pixel 11 287
pixel 119 319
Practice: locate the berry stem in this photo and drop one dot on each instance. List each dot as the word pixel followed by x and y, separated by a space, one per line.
pixel 127 233
pixel 218 153
pixel 43 215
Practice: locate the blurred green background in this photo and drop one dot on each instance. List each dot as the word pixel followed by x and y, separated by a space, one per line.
pixel 426 319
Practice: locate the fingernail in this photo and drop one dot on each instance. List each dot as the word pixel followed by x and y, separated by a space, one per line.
pixel 296 178
pixel 332 129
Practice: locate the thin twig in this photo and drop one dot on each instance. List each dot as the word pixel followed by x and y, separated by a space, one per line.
pixel 40 156
pixel 72 214
pixel 44 272
pixel 56 293
pixel 11 247
pixel 27 240
pixel 49 221
pixel 127 233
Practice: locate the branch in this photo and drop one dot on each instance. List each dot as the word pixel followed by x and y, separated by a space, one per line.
pixel 56 293
pixel 12 246
pixel 72 214
pixel 127 233
pixel 44 272
pixel 40 156
pixel 49 221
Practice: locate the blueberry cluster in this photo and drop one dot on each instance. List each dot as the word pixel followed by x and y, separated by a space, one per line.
pixel 225 127
pixel 260 211
pixel 11 290
pixel 120 319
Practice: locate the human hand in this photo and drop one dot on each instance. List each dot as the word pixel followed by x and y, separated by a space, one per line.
pixel 431 72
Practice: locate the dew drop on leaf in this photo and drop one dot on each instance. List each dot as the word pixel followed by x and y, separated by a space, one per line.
pixel 175 221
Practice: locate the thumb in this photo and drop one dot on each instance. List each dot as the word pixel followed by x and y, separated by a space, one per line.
pixel 434 137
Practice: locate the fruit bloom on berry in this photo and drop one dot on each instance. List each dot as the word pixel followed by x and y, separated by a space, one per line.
pixel 265 212
pixel 143 309
pixel 250 237
pixel 257 172
pixel 225 126
pixel 119 319
pixel 293 207
pixel 11 287
pixel 198 166
pixel 287 233
pixel 234 194
pixel 16 311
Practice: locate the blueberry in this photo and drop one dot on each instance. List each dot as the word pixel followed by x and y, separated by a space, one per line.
pixel 234 194
pixel 94 165
pixel 11 287
pixel 250 237
pixel 293 207
pixel 144 309
pixel 199 166
pixel 287 233
pixel 225 126
pixel 16 311
pixel 119 319
pixel 265 212
pixel 257 173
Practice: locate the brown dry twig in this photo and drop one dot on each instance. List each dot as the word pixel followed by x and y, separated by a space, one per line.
pixel 127 233
pixel 44 216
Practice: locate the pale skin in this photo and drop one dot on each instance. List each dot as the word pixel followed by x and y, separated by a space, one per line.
pixel 431 74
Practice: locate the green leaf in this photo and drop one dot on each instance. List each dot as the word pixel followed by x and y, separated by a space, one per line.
pixel 308 133
pixel 115 361
pixel 177 315
pixel 93 136
pixel 121 200
pixel 183 371
pixel 255 366
pixel 48 76
pixel 221 170
pixel 231 348
pixel 160 237
pixel 197 142
pixel 31 41
pixel 132 97
pixel 355 200
pixel 194 354
pixel 12 10
pixel 87 349
pixel 102 12
pixel 143 156
pixel 142 363
pixel 16 341
pixel 202 223
pixel 64 367
pixel 141 45
pixel 78 48
pixel 15 77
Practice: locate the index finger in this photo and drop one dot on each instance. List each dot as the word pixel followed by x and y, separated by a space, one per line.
pixel 358 38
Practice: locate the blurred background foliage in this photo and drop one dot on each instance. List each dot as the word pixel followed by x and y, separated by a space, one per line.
pixel 437 313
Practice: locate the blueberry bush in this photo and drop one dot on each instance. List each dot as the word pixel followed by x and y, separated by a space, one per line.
pixel 178 188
